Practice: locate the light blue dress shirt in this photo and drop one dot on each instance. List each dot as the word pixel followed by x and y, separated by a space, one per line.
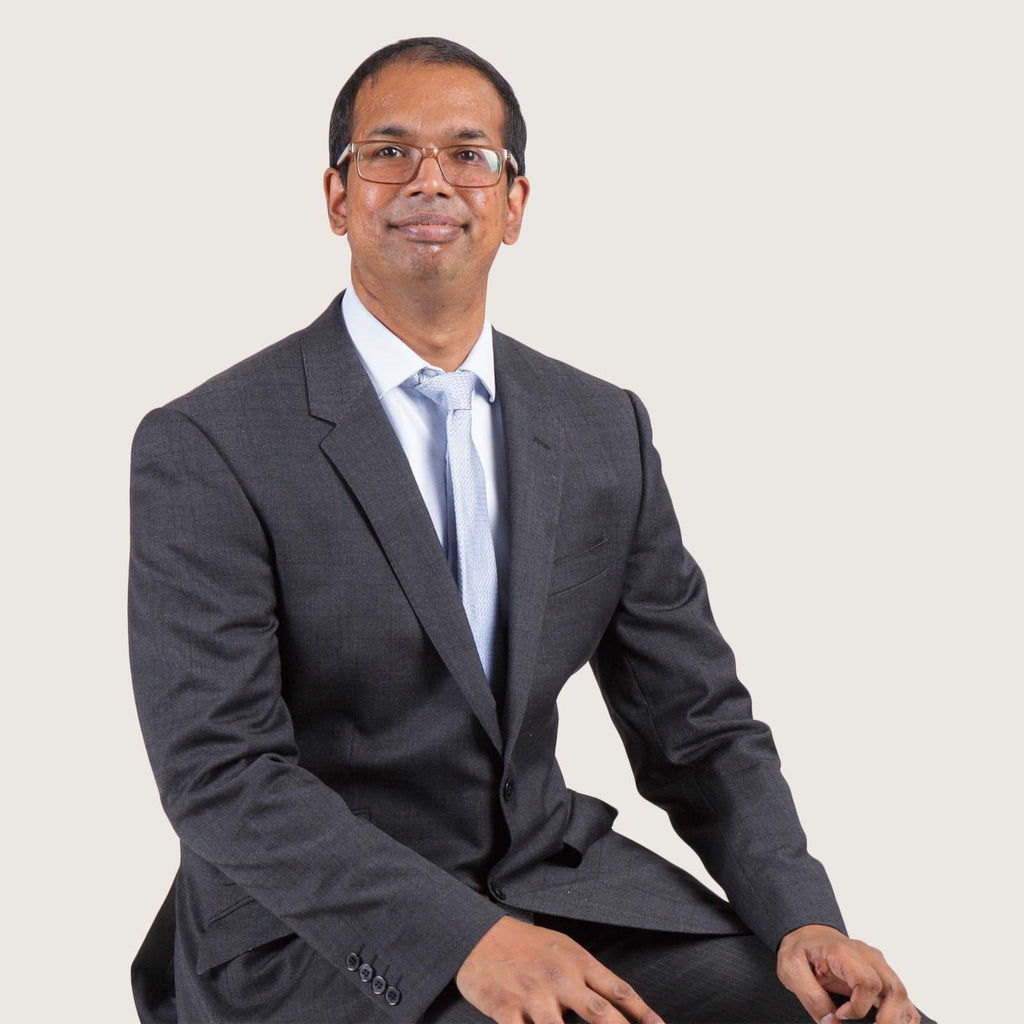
pixel 419 425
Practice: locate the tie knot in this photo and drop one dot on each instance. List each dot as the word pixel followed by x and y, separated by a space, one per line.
pixel 450 390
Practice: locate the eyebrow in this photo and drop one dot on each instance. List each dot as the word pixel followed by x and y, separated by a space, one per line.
pixel 397 131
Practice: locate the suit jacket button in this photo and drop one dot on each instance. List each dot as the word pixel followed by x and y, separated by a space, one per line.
pixel 379 984
pixel 365 971
pixel 497 892
pixel 392 995
pixel 509 788
pixel 352 961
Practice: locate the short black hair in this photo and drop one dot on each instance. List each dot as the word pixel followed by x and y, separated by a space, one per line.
pixel 425 50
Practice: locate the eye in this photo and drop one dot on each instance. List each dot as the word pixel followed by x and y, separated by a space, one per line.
pixel 388 152
pixel 469 156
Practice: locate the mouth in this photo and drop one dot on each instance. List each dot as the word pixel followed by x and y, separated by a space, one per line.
pixel 428 227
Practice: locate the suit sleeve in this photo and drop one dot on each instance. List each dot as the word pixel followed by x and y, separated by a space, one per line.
pixel 206 675
pixel 669 681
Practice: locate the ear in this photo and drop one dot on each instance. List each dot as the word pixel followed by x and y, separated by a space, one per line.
pixel 337 197
pixel 517 197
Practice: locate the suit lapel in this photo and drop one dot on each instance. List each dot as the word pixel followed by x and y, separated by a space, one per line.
pixel 534 449
pixel 365 451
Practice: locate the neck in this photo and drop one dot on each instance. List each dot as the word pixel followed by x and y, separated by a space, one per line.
pixel 442 328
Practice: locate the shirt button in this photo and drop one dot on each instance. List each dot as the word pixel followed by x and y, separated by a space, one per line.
pixel 352 961
pixel 379 983
pixel 497 892
pixel 509 788
pixel 392 995
pixel 365 971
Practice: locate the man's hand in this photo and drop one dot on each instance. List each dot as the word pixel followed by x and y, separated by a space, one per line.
pixel 519 971
pixel 817 959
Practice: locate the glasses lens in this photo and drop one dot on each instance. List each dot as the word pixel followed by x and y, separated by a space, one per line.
pixel 471 165
pixel 386 162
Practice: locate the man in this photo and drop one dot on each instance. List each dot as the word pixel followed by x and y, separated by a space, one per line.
pixel 364 561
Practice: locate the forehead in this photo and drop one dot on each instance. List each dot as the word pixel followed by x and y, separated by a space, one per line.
pixel 432 100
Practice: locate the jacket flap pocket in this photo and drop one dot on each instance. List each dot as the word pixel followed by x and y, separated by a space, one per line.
pixel 238 928
pixel 589 819
pixel 568 571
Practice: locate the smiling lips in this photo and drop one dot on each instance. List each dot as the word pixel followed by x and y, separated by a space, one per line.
pixel 429 227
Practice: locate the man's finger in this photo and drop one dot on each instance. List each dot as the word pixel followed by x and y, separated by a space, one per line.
pixel 606 984
pixel 592 1007
pixel 544 1011
pixel 795 973
pixel 866 989
pixel 895 1006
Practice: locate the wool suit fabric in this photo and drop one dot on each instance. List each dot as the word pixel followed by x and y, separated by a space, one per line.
pixel 353 806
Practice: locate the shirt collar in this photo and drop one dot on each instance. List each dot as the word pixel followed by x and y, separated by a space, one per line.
pixel 389 361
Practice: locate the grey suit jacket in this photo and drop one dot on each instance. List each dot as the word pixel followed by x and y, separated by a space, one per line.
pixel 323 738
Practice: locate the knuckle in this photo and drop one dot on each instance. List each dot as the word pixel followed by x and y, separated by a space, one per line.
pixel 500 1001
pixel 509 1001
pixel 784 971
pixel 862 976
pixel 622 989
pixel 598 1005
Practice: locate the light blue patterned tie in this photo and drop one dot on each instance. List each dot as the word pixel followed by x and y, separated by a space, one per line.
pixel 475 568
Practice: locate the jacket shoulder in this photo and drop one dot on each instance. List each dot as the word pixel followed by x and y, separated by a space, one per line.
pixel 579 394
pixel 258 389
pixel 558 373
pixel 259 377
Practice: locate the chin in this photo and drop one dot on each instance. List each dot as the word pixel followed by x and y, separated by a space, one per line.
pixel 435 268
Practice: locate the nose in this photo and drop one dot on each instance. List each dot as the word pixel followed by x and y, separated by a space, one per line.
pixel 428 178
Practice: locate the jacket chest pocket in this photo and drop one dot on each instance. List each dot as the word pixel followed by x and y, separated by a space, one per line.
pixel 586 562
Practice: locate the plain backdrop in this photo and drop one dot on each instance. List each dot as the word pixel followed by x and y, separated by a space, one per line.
pixel 820 305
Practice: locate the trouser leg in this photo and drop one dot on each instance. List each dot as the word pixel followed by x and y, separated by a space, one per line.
pixel 686 978
pixel 703 979
pixel 682 977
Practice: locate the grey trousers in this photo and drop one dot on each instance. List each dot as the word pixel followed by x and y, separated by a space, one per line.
pixel 704 979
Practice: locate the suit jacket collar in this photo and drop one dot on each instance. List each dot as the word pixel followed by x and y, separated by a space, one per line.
pixel 366 453
pixel 389 361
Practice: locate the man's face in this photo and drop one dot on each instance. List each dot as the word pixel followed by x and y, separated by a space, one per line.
pixel 425 104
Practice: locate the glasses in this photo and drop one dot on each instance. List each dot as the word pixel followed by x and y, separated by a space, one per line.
pixel 395 163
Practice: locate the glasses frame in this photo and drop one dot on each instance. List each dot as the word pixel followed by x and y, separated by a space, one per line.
pixel 425 151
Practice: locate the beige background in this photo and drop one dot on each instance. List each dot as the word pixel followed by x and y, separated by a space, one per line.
pixel 821 309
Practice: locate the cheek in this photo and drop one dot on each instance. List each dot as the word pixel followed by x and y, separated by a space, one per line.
pixel 367 210
pixel 488 215
pixel 373 197
pixel 367 225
